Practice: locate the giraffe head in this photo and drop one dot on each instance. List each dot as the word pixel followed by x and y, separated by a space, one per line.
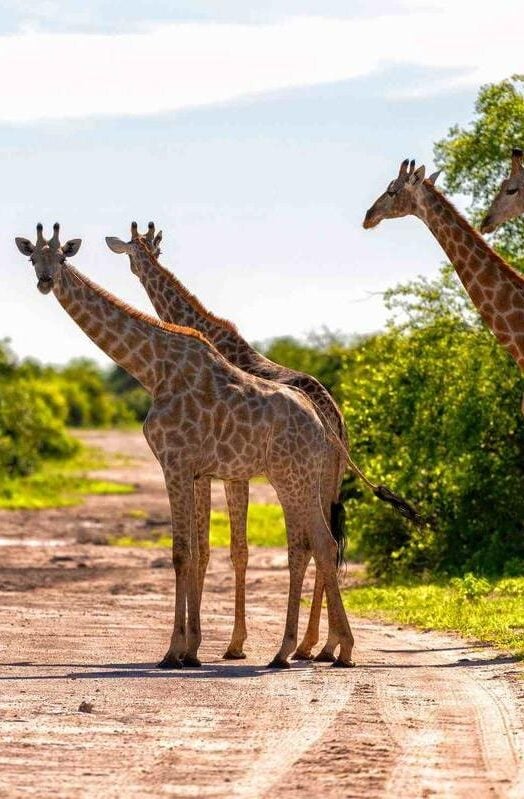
pixel 509 200
pixel 47 255
pixel 148 243
pixel 401 196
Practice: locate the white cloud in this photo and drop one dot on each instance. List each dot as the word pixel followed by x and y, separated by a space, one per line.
pixel 175 66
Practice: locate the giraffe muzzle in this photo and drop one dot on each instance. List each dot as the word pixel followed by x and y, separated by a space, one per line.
pixel 369 221
pixel 45 284
pixel 488 225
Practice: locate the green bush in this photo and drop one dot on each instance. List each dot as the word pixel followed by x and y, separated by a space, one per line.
pixel 91 403
pixel 433 409
pixel 38 403
pixel 31 427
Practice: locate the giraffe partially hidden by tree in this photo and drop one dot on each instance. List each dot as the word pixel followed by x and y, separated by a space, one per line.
pixel 209 418
pixel 175 304
pixel 508 203
pixel 496 289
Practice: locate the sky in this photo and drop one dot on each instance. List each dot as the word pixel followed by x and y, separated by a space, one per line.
pixel 255 134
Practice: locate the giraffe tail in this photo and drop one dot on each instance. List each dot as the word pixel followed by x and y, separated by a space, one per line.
pixel 401 505
pixel 338 529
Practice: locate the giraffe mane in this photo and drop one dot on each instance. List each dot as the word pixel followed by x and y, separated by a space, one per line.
pixel 186 294
pixel 134 313
pixel 512 273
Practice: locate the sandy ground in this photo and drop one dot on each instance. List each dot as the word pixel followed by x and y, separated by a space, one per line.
pixel 84 712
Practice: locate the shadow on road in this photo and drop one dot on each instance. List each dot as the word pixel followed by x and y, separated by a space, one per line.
pixel 147 670
pixel 227 671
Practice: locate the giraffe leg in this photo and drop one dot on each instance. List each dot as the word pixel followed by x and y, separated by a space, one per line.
pixel 311 636
pixel 237 495
pixel 180 492
pixel 194 595
pixel 202 522
pixel 324 551
pixel 332 486
pixel 299 554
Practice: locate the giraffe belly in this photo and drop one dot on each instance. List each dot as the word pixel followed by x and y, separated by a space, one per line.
pixel 230 463
pixel 233 470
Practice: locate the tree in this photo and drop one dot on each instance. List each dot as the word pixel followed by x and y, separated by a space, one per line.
pixel 477 157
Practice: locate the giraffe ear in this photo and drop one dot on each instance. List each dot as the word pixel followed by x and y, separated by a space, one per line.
pixel 116 245
pixel 71 247
pixel 25 246
pixel 434 177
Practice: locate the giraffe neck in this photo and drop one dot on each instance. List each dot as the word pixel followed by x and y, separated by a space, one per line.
pixel 147 349
pixel 175 304
pixel 495 288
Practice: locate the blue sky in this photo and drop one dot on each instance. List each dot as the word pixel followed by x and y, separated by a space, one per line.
pixel 255 136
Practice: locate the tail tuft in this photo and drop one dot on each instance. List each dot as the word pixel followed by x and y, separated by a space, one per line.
pixel 403 507
pixel 338 529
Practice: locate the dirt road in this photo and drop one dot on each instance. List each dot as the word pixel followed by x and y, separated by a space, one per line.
pixel 82 625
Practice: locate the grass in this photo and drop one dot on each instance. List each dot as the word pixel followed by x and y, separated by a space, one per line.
pixel 265 528
pixel 59 484
pixel 136 513
pixel 489 611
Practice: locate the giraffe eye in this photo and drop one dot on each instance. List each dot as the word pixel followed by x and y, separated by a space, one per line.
pixel 511 191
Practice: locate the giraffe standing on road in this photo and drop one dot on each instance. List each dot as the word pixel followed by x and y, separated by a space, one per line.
pixel 209 418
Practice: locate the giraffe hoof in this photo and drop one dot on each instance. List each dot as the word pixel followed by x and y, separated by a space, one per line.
pixel 278 663
pixel 170 662
pixel 191 660
pixel 325 657
pixel 298 655
pixel 231 654
pixel 343 664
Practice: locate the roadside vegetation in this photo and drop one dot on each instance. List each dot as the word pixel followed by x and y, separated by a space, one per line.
pixel 490 611
pixel 41 462
pixel 59 483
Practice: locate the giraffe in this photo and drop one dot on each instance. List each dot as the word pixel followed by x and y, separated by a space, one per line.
pixel 508 203
pixel 496 289
pixel 209 418
pixel 174 303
